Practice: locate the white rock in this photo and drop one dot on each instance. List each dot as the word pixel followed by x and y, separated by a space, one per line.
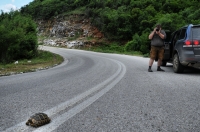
pixel 16 62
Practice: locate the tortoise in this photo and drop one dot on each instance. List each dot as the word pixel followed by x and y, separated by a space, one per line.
pixel 38 119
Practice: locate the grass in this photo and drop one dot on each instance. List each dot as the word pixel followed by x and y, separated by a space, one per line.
pixel 76 11
pixel 115 48
pixel 44 60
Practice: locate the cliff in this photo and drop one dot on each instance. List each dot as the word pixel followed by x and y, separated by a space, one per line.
pixel 69 30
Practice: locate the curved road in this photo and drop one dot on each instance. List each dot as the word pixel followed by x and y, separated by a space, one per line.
pixel 97 92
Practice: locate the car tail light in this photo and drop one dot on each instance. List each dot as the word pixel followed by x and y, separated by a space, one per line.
pixel 196 42
pixel 188 42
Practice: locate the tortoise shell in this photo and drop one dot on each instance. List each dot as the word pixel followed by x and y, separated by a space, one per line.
pixel 38 119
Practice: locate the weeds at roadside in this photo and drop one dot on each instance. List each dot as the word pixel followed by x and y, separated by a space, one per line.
pixel 44 60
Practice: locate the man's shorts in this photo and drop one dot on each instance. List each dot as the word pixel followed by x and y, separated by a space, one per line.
pixel 156 52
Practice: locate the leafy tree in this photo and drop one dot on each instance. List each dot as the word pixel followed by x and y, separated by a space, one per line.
pixel 171 21
pixel 133 45
pixel 18 37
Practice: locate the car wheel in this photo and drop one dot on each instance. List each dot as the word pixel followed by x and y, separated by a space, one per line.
pixel 178 68
pixel 164 63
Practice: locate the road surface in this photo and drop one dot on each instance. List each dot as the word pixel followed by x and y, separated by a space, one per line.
pixel 98 92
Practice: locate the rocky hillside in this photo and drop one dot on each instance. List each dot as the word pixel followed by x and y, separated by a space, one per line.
pixel 70 31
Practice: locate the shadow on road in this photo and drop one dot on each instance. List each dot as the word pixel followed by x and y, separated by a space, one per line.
pixel 187 71
pixel 190 70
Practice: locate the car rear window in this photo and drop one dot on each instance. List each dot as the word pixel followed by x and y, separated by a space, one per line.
pixel 196 32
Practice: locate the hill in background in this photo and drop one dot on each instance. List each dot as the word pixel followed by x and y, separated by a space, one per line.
pixel 122 21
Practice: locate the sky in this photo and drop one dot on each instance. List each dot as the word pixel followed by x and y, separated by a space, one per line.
pixel 7 5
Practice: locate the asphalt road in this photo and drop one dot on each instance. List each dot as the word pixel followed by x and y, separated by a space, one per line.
pixel 98 92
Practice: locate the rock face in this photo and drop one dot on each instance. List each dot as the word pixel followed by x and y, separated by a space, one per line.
pixel 70 30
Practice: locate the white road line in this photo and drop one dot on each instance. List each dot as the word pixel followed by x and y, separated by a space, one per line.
pixel 74 100
pixel 22 127
pixel 72 112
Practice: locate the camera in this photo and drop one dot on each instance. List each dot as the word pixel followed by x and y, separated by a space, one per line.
pixel 157 29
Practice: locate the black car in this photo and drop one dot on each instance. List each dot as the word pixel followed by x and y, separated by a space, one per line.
pixel 183 48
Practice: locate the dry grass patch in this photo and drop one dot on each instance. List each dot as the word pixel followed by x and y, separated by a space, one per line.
pixel 44 60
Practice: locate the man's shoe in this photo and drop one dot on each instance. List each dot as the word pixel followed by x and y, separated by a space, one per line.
pixel 149 70
pixel 159 69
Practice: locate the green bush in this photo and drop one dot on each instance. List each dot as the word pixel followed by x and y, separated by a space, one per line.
pixel 138 43
pixel 133 45
pixel 18 37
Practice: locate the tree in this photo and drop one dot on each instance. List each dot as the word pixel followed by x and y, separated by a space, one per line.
pixel 18 38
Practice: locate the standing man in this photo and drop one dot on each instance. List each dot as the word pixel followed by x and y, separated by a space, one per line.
pixel 157 37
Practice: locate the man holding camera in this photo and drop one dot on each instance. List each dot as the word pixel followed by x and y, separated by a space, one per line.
pixel 157 37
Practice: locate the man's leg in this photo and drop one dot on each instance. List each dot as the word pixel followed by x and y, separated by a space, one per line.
pixel 159 62
pixel 150 64
pixel 160 57
pixel 153 53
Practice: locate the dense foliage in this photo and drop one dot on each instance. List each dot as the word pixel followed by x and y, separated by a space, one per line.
pixel 123 20
pixel 18 39
pixel 128 21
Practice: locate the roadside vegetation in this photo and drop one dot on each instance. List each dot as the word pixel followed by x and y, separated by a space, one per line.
pixel 18 37
pixel 114 47
pixel 127 22
pixel 19 46
pixel 43 60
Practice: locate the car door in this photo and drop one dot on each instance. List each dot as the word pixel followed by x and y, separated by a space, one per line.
pixel 175 40
pixel 167 46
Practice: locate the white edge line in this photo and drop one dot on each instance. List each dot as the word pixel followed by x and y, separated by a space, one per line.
pixel 22 127
pixel 72 112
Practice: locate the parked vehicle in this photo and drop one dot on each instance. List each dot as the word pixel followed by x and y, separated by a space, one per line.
pixel 183 48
